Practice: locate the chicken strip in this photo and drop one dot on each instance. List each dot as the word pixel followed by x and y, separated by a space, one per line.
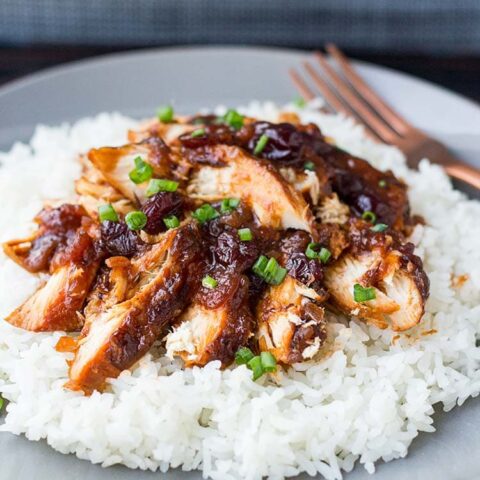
pixel 377 260
pixel 57 304
pixel 115 164
pixel 276 204
pixel 93 191
pixel 120 335
pixel 291 324
pixel 206 334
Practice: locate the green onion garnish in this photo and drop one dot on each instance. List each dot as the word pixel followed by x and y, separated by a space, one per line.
pixel 379 227
pixel 369 216
pixel 135 220
pixel 160 185
pixel 229 204
pixel 269 363
pixel 245 234
pixel 261 144
pixel 199 132
pixel 234 119
pixel 382 183
pixel 107 213
pixel 299 102
pixel 269 270
pixel 209 282
pixel 1 402
pixel 363 294
pixel 165 114
pixel 142 171
pixel 316 251
pixel 243 356
pixel 309 166
pixel 171 221
pixel 255 365
pixel 259 364
pixel 205 213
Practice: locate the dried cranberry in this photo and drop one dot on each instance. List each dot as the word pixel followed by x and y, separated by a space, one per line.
pixel 230 251
pixel 213 134
pixel 158 207
pixel 308 272
pixel 117 239
pixel 287 143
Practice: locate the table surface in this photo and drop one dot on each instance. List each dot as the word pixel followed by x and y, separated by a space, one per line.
pixel 460 74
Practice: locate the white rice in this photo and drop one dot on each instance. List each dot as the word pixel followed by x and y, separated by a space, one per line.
pixel 365 402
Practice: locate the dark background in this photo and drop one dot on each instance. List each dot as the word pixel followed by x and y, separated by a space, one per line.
pixel 438 40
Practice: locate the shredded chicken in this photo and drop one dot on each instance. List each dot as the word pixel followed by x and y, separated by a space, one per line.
pixel 276 204
pixel 120 334
pixel 290 325
pixel 285 236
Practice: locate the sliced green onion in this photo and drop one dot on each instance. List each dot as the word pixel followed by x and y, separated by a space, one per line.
pixel 243 356
pixel 260 265
pixel 382 183
pixel 199 132
pixel 369 216
pixel 270 267
pixel 324 255
pixel 209 282
pixel 316 251
pixel 229 204
pixel 135 220
pixel 255 365
pixel 269 363
pixel 165 114
pixel 1 402
pixel 245 234
pixel 142 171
pixel 309 166
pixel 269 270
pixel 363 294
pixel 107 213
pixel 205 213
pixel 379 227
pixel 261 144
pixel 234 119
pixel 160 185
pixel 299 102
pixel 171 221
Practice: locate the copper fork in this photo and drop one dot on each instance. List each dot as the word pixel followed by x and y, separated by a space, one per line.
pixel 345 91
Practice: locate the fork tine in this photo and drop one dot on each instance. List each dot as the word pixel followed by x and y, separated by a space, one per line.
pixel 326 92
pixel 378 126
pixel 331 97
pixel 302 87
pixel 393 118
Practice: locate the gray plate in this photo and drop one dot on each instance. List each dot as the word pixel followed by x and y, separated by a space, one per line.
pixel 134 84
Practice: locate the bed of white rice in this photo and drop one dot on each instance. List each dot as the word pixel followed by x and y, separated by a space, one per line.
pixel 365 402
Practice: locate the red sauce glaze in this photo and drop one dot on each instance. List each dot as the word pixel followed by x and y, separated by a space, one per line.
pixel 56 233
pixel 160 206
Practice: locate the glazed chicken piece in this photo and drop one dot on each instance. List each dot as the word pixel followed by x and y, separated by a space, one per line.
pixel 205 334
pixel 62 246
pixel 115 164
pixel 364 188
pixel 219 321
pixel 93 190
pixel 119 335
pixel 379 261
pixel 291 323
pixel 237 174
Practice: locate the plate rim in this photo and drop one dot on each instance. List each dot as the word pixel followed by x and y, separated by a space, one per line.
pixel 47 73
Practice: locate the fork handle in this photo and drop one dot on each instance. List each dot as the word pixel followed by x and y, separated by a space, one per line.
pixel 465 173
